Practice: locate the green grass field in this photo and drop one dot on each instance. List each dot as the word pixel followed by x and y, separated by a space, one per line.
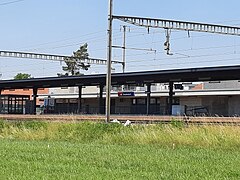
pixel 37 150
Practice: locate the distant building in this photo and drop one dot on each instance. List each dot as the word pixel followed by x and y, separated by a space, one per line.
pixel 27 92
pixel 19 101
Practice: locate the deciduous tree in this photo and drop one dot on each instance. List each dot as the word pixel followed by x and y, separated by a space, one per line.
pixel 22 76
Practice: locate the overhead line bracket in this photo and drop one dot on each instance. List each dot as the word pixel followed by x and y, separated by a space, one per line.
pixel 180 25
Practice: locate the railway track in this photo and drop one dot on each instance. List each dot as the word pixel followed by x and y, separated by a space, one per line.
pixel 134 119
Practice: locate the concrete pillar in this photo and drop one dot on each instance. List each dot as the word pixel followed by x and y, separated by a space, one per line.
pixel 101 107
pixel 35 100
pixel 148 98
pixel 79 110
pixel 171 93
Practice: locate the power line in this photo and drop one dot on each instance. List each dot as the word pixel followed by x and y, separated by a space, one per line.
pixel 67 39
pixel 77 43
pixel 184 50
pixel 94 39
pixel 199 62
pixel 177 58
pixel 62 40
pixel 11 2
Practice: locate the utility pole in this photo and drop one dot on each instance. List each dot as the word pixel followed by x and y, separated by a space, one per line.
pixel 124 48
pixel 109 62
pixel 124 52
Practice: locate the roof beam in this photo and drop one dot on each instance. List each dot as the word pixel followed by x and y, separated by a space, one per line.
pixel 162 76
pixel 180 25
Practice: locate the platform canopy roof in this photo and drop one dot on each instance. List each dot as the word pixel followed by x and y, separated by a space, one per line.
pixel 144 77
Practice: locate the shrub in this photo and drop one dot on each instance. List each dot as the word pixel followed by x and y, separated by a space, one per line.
pixel 177 123
pixel 34 125
pixel 2 125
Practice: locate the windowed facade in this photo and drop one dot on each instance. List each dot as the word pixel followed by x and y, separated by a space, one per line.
pixel 13 104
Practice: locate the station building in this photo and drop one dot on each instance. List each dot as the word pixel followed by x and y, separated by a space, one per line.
pixel 214 98
pixel 133 93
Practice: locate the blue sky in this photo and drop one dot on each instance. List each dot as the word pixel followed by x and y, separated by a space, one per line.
pixel 61 26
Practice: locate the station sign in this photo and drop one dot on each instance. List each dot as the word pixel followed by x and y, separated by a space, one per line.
pixel 49 102
pixel 178 86
pixel 126 94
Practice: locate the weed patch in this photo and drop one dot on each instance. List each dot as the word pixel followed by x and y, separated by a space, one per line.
pixel 174 134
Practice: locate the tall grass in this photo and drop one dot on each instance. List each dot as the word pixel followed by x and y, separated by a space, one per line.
pixel 171 135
